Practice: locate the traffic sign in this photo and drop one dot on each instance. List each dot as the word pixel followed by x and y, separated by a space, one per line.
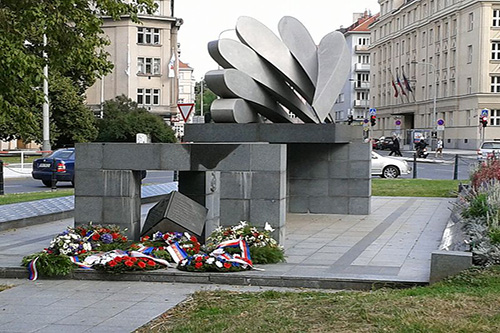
pixel 484 113
pixel 440 122
pixel 373 111
pixel 185 110
pixel 398 122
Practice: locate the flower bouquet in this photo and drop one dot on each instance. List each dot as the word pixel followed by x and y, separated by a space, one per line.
pixel 160 244
pixel 103 238
pixel 263 248
pixel 119 261
pixel 217 261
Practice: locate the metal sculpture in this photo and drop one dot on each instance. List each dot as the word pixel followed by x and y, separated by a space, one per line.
pixel 277 78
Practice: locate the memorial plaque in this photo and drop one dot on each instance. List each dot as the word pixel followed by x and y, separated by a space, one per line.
pixel 176 212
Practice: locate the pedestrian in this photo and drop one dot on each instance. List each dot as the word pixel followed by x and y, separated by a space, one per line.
pixel 439 148
pixel 395 147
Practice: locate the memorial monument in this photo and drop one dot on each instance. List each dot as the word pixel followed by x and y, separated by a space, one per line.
pixel 273 147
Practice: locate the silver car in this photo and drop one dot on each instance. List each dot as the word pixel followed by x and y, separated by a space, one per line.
pixel 488 149
pixel 389 167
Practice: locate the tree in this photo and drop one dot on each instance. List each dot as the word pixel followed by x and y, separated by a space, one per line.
pixel 208 98
pixel 74 50
pixel 123 119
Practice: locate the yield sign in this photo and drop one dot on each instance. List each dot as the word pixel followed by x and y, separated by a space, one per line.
pixel 185 110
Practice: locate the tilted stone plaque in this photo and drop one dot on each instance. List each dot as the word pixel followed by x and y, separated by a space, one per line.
pixel 176 212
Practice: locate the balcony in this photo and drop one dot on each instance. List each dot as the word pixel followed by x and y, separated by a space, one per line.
pixel 361 103
pixel 362 85
pixel 361 48
pixel 362 67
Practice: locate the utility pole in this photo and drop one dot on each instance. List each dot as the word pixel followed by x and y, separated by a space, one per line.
pixel 45 114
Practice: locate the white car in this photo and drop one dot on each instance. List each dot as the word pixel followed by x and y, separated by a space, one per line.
pixel 488 149
pixel 389 167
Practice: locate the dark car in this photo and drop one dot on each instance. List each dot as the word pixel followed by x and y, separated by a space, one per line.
pixel 386 143
pixel 61 161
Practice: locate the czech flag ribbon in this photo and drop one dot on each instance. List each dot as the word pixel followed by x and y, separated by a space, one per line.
pixel 76 261
pixel 32 270
pixel 137 254
pixel 177 252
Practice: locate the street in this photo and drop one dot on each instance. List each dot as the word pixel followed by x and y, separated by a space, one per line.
pixel 28 184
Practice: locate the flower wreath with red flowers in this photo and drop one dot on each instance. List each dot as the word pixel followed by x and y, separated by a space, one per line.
pixel 119 261
pixel 157 244
pixel 103 238
pixel 215 262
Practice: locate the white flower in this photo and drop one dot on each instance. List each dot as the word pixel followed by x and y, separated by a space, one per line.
pixel 210 261
pixel 268 227
pixel 218 264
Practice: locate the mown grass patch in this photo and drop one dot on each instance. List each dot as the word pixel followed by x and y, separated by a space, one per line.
pixel 32 196
pixel 468 302
pixel 415 187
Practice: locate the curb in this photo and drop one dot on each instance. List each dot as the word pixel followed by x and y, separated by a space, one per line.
pixel 235 278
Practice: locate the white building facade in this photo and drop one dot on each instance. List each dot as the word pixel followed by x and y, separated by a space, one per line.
pixel 446 54
pixel 354 99
pixel 145 58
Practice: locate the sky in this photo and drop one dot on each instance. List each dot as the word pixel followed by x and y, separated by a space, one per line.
pixel 205 20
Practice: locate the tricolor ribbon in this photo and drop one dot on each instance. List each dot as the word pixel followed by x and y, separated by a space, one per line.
pixel 177 252
pixel 76 261
pixel 242 244
pixel 137 254
pixel 32 270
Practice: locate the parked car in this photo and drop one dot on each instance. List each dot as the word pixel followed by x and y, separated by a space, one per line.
pixel 385 143
pixel 388 167
pixel 62 161
pixel 488 149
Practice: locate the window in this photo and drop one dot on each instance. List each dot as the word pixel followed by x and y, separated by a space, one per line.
pixel 424 39
pixel 495 51
pixel 362 80
pixel 469 54
pixel 364 59
pixel 471 21
pixel 469 85
pixel 495 84
pixel 148 96
pixel 148 36
pixel 340 99
pixel 364 41
pixel 431 36
pixel 454 27
pixel 149 66
pixel 495 117
pixel 438 33
pixel 403 47
pixel 496 18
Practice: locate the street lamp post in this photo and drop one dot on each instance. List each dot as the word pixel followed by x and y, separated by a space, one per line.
pixel 45 110
pixel 434 120
pixel 201 97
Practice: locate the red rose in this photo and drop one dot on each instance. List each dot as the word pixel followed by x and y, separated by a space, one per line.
pixel 141 264
pixel 124 238
pixel 198 259
pixel 133 259
pixel 198 265
pixel 118 259
pixel 227 265
pixel 112 263
pixel 145 238
pixel 193 239
pixel 151 263
pixel 105 231
pixel 83 233
pixel 128 263
pixel 115 235
pixel 96 236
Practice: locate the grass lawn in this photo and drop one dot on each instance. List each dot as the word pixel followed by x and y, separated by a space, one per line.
pixel 31 196
pixel 415 187
pixel 468 302
pixel 17 159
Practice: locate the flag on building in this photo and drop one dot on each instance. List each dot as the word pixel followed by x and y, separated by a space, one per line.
pixel 407 83
pixel 171 66
pixel 396 93
pixel 400 84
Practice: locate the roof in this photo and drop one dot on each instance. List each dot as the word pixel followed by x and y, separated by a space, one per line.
pixel 184 65
pixel 363 23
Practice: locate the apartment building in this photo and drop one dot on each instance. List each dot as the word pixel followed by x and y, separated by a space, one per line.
pixel 145 58
pixel 435 66
pixel 354 99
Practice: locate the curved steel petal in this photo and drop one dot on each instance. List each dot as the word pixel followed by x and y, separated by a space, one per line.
pixel 263 41
pixel 233 110
pixel 333 71
pixel 300 43
pixel 230 53
pixel 232 83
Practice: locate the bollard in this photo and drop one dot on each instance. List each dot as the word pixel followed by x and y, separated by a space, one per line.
pixel 455 168
pixel 53 179
pixel 1 178
pixel 414 165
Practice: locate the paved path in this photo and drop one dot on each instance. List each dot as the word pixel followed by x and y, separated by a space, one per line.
pixel 391 245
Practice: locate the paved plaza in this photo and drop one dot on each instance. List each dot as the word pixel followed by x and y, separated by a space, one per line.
pixel 391 246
